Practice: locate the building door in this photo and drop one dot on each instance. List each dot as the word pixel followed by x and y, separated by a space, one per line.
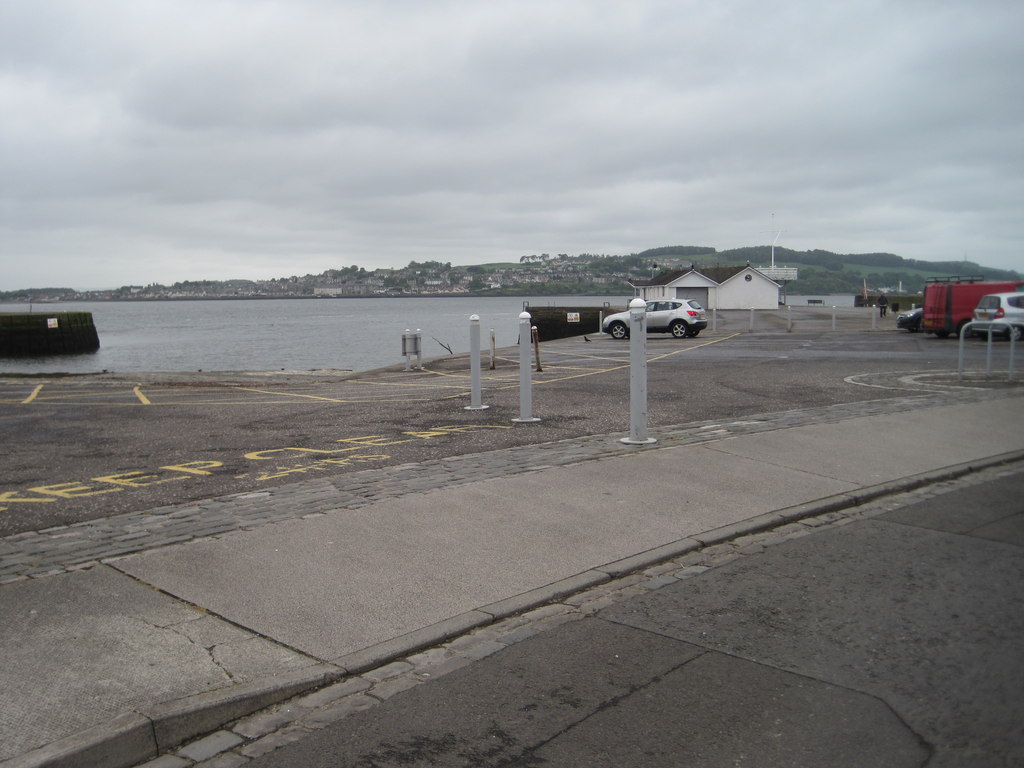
pixel 698 294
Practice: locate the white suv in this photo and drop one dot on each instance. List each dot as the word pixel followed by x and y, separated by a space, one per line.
pixel 680 317
pixel 1005 307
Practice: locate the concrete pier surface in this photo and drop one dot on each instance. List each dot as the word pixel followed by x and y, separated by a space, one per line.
pixel 766 587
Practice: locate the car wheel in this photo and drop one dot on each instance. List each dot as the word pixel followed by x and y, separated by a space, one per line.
pixel 695 333
pixel 679 329
pixel 618 330
pixel 1016 333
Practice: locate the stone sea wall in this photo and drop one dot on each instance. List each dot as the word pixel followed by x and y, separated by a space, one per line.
pixel 47 333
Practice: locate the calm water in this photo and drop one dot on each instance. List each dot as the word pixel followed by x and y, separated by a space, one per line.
pixel 273 334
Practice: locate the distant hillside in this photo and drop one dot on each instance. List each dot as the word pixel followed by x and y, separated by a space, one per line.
pixel 827 272
pixel 685 251
pixel 547 274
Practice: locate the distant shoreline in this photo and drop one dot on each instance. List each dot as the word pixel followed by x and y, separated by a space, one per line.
pixel 147 300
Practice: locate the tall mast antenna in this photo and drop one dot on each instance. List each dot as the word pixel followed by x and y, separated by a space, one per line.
pixel 778 234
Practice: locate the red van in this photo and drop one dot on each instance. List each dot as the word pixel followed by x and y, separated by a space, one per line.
pixel 949 302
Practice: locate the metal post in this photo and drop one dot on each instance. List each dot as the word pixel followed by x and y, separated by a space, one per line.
pixel 751 319
pixel 535 334
pixel 419 349
pixel 833 317
pixel 874 320
pixel 988 352
pixel 714 319
pixel 789 318
pixel 525 380
pixel 492 349
pixel 474 365
pixel 960 354
pixel 638 375
pixel 1013 343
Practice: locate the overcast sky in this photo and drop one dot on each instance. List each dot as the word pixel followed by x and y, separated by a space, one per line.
pixel 151 141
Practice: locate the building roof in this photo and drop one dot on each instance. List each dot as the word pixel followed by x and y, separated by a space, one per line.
pixel 716 274
pixel 664 278
pixel 721 274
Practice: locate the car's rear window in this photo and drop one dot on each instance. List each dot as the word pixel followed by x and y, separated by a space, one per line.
pixel 1016 301
pixel 694 304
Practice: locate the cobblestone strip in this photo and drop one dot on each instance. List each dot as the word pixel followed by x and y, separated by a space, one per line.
pixel 56 550
pixel 270 729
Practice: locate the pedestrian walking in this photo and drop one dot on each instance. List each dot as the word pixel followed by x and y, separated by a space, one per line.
pixel 883 305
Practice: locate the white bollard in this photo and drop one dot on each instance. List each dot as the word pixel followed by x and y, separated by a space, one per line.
pixel 525 377
pixel 751 319
pixel 833 317
pixel 475 398
pixel 789 318
pixel 638 375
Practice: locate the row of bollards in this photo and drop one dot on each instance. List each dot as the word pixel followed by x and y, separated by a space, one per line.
pixel 412 347
pixel 789 319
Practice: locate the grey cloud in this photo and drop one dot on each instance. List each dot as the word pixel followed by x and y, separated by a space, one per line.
pixel 162 141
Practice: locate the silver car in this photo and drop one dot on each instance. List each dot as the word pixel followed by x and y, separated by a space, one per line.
pixel 1004 308
pixel 680 317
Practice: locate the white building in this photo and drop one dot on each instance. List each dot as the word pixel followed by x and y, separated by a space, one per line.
pixel 714 287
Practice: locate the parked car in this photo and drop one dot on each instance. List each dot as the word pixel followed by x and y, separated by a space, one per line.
pixel 1005 307
pixel 949 302
pixel 911 319
pixel 680 317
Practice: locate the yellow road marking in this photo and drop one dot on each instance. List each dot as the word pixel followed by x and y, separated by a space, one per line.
pixel 291 394
pixel 35 393
pixel 698 346
pixel 335 399
pixel 626 365
pixel 407 384
pixel 506 379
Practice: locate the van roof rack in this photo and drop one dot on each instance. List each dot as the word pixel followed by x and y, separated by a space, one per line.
pixel 957 279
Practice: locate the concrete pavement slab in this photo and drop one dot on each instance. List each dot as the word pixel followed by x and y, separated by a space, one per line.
pixel 876 449
pixel 83 648
pixel 336 584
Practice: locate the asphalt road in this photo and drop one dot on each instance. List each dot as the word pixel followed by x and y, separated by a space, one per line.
pixel 890 640
pixel 85 447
